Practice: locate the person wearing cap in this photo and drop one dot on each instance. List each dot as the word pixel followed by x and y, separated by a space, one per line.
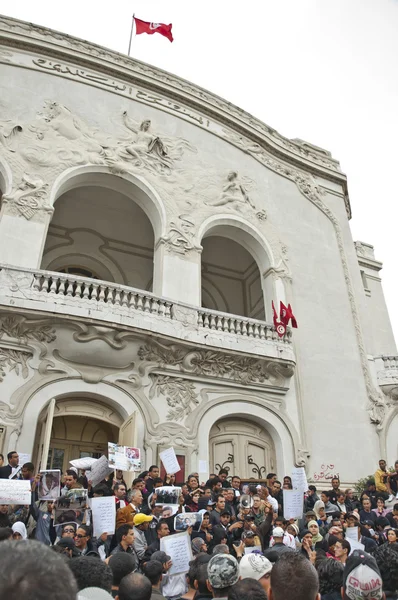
pixel 309 515
pixel 256 566
pixel 223 531
pixel 362 578
pixel 222 574
pixel 278 546
pixel 141 524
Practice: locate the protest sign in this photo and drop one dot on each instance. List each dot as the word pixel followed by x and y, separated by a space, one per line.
pixel 292 504
pixel 24 458
pixel 15 491
pixel 71 507
pixel 178 547
pixel 167 495
pixel 100 470
pixel 355 545
pixel 124 458
pixel 169 460
pixel 49 485
pixel 103 515
pixel 351 533
pixel 183 521
pixel 299 479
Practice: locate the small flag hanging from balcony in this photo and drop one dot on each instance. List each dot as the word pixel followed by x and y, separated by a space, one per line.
pixel 286 314
pixel 279 326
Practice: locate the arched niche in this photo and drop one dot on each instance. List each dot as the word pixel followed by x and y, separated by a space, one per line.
pixel 105 224
pixel 235 257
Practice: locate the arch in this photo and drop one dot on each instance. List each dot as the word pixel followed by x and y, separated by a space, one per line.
pixel 5 177
pixel 244 233
pixel 278 425
pixel 104 392
pixel 126 184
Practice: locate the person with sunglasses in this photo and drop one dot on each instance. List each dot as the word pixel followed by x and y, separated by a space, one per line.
pixel 68 531
pixel 84 543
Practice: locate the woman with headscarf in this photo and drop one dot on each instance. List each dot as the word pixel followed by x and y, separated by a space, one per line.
pixel 321 516
pixel 293 530
pixel 19 531
pixel 317 538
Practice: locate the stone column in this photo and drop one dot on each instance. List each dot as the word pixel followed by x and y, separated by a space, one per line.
pixel 177 273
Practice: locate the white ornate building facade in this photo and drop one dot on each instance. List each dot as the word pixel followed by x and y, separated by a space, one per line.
pixel 146 225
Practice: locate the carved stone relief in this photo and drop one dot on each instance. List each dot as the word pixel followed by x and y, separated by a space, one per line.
pixel 29 199
pixel 13 360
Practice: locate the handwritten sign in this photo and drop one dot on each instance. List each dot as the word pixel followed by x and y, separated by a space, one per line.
pixel 24 458
pixel 299 479
pixel 15 491
pixel 103 515
pixel 292 504
pixel 351 533
pixel 178 547
pixel 100 470
pixel 169 460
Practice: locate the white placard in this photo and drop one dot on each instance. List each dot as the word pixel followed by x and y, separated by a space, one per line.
pixel 103 515
pixel 351 533
pixel 355 545
pixel 15 491
pixel 299 479
pixel 24 458
pixel 293 501
pixel 202 466
pixel 170 462
pixel 100 470
pixel 178 547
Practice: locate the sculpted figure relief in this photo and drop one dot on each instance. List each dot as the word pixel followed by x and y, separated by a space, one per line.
pixel 145 142
pixel 233 192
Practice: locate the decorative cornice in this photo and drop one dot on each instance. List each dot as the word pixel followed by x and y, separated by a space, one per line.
pixel 176 94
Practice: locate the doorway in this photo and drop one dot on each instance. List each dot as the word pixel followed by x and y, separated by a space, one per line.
pixel 242 447
pixel 74 436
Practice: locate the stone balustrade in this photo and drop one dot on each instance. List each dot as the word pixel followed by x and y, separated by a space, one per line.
pixel 63 294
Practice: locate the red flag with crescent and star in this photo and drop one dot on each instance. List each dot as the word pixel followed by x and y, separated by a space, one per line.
pixel 146 27
pixel 279 326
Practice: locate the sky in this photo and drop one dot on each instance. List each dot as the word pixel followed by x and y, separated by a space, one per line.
pixel 324 71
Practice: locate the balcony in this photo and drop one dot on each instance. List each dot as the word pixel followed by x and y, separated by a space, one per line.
pixel 387 375
pixel 64 294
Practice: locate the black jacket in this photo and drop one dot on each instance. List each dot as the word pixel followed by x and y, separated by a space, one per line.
pixel 5 472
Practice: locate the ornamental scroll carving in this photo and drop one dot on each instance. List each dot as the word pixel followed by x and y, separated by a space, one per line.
pixel 212 364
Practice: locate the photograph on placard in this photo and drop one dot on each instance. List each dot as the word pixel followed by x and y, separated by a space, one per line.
pixel 71 507
pixel 183 521
pixel 167 495
pixel 133 456
pixel 49 487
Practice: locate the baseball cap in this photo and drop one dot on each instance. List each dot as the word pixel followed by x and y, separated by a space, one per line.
pixel 310 513
pixel 222 571
pixel 140 518
pixel 254 566
pixel 160 556
pixel 93 593
pixel 362 578
pixel 278 532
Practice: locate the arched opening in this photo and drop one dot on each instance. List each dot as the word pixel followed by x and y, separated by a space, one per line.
pixel 80 427
pixel 243 447
pixel 231 279
pixel 101 232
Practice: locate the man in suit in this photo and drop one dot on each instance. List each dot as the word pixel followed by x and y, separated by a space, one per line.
pixel 10 470
pixel 126 515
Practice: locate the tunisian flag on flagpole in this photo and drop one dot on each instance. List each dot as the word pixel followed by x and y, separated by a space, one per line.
pixel 145 27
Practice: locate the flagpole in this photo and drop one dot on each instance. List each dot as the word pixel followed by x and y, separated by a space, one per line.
pixel 131 34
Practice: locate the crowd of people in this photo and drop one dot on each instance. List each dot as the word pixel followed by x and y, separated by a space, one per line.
pixel 343 545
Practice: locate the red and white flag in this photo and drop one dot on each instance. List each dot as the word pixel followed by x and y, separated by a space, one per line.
pixel 145 27
pixel 279 326
pixel 286 313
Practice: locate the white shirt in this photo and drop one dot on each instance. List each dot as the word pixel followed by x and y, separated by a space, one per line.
pixel 273 502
